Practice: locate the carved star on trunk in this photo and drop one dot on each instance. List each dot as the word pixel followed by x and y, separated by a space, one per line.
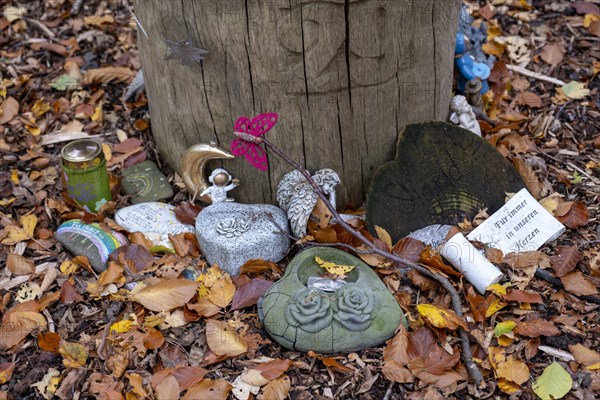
pixel 185 52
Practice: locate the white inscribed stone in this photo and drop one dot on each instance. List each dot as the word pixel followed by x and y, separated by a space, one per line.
pixel 151 217
pixel 522 224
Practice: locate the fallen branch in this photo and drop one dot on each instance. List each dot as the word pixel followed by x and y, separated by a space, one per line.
pixel 535 75
pixel 456 303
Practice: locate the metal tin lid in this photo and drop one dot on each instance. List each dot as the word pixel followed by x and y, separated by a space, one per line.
pixel 81 150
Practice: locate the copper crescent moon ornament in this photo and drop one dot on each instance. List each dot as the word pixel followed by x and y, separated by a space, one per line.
pixel 193 165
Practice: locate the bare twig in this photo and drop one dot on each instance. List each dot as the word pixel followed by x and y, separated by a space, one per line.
pixel 535 75
pixel 456 303
pixel 388 392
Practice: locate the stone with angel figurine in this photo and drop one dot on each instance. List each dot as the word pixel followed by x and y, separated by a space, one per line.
pixel 329 301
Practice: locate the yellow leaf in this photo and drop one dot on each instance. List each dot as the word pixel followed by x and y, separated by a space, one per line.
pixel 29 222
pixel 333 268
pixel 166 295
pixel 107 151
pixel 40 108
pixel 588 19
pixel 203 291
pixel 6 202
pixel 222 339
pixel 74 354
pixel 497 289
pixel 508 387
pixel 513 370
pixel 574 90
pixel 554 383
pixel 504 328
pixel 14 176
pixel 68 267
pixel 505 340
pixel 593 367
pixel 121 326
pixel 221 293
pixel 440 318
pixel 98 115
pixel 213 274
pixel 495 306
pixel 384 236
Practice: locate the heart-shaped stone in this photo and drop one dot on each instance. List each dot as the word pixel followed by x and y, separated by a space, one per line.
pixel 301 315
pixel 229 234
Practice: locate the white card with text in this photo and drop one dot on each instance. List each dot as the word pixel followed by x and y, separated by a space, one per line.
pixel 522 224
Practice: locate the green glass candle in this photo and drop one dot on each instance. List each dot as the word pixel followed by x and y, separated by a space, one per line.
pixel 85 175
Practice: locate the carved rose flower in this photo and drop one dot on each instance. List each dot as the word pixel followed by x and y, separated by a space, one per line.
pixel 310 310
pixel 355 307
pixel 231 227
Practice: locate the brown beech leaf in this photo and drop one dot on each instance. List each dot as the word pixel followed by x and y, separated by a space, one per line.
pixel 49 341
pixel 186 376
pixel 523 297
pixel 273 369
pixel 578 215
pixel 248 294
pixel 531 180
pixel 433 259
pixel 133 256
pixel 19 265
pixel 576 283
pixel 565 260
pixel 168 388
pixel 223 339
pixel 68 293
pixel 513 370
pixel 583 355
pixel 536 327
pixel 331 363
pixel 409 249
pixel 222 291
pixel 166 295
pixel 108 75
pixel 153 339
pixel 529 99
pixel 203 308
pixel 6 371
pixel 112 274
pixel 75 355
pixel 478 303
pixel 278 389
pixel 258 266
pixel 141 239
pixel 524 259
pixel 209 389
pixel 395 357
pixel 552 53
pixel 186 212
pixel 128 145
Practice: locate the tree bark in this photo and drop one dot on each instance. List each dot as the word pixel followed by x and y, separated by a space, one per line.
pixel 345 76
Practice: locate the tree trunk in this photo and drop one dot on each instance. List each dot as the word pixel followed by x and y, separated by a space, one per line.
pixel 344 75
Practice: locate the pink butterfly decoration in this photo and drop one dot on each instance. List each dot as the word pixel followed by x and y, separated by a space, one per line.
pixel 256 127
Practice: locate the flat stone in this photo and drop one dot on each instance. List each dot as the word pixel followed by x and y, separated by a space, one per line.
pixel 361 313
pixel 151 217
pixel 229 234
pixel 144 182
pixel 522 224
pixel 441 174
pixel 89 240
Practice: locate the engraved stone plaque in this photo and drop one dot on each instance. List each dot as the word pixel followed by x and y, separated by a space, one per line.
pixel 522 224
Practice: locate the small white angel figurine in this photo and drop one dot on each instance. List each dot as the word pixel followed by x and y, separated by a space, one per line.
pixel 463 115
pixel 221 183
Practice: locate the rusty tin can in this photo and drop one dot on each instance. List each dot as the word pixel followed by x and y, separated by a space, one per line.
pixel 84 173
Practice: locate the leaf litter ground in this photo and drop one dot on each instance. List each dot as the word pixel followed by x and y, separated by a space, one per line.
pixel 138 330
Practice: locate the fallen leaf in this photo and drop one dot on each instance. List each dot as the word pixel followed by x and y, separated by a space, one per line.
pixel 395 357
pixel 578 215
pixel 576 283
pixel 565 260
pixel 574 90
pixel 524 259
pixel 504 328
pixel 132 255
pixel 68 293
pixel 384 236
pixel 441 318
pixel 74 355
pixel 331 363
pixel 584 7
pixel 204 308
pixel 536 327
pixel 529 99
pixel 432 258
pixel 277 389
pixel 322 214
pixel 257 267
pixel 18 234
pixel 6 371
pixel 554 383
pixel 17 323
pixel 19 265
pixel 552 53
pixel 523 297
pixel 8 110
pixel 166 295
pixel 273 369
pixel 167 389
pixel 223 339
pixel 121 326
pixel 495 306
pixel 513 370
pixel 248 294
pixel 209 389
pixel 333 268
pixel 531 181
pixel 221 292
pixel 409 249
pixel 108 75
pixel 49 341
pixel 186 212
pixel 583 355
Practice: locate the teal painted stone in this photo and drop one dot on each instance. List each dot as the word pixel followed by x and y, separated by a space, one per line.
pixel 360 314
pixel 89 240
pixel 144 182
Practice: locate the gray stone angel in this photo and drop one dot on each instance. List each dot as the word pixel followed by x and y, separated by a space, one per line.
pixel 297 198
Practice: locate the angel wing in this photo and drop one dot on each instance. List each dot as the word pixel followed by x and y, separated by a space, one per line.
pixel 296 197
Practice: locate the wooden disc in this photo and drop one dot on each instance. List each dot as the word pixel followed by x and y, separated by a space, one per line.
pixel 441 174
